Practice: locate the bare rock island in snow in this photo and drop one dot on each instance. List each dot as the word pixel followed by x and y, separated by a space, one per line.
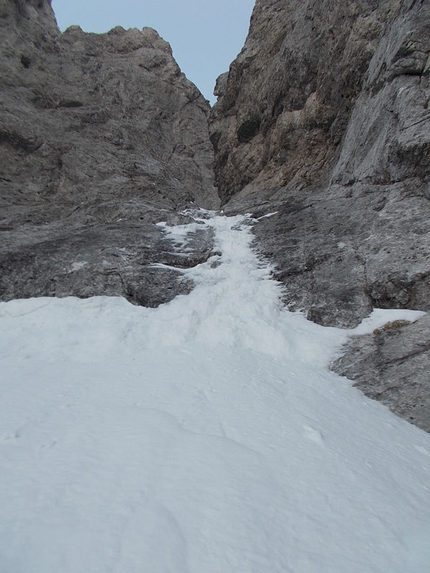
pixel 322 122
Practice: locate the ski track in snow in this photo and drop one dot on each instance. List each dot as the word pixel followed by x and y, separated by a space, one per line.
pixel 205 436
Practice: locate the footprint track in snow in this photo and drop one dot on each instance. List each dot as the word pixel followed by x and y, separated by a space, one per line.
pixel 314 435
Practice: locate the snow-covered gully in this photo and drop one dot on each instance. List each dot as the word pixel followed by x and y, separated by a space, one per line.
pixel 205 436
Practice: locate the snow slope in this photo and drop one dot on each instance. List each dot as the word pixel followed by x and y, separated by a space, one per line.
pixel 205 436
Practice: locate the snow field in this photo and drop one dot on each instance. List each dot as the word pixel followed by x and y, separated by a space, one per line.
pixel 203 436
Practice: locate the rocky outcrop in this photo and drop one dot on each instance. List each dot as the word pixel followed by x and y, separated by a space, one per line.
pixel 392 366
pixel 100 137
pixel 136 261
pixel 322 131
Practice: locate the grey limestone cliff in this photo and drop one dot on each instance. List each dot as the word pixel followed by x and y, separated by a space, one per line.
pixel 342 151
pixel 323 123
pixel 101 136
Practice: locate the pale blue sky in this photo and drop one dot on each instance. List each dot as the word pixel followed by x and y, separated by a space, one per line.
pixel 205 35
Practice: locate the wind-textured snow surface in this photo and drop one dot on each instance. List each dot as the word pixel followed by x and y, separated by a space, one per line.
pixel 205 436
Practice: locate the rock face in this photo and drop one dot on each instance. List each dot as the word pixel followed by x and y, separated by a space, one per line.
pixel 351 191
pixel 323 122
pixel 285 103
pixel 392 366
pixel 100 137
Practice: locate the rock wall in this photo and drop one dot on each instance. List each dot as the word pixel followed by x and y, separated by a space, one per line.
pixel 322 130
pixel 285 103
pixel 100 136
pixel 341 93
